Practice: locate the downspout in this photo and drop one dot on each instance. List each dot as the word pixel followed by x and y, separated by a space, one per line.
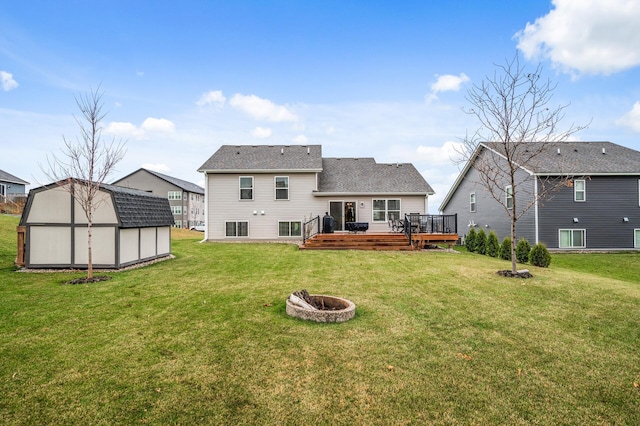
pixel 535 207
pixel 207 222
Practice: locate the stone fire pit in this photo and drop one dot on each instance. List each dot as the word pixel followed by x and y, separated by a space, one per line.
pixel 323 308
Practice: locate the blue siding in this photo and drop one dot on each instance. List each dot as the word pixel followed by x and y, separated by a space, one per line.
pixel 608 200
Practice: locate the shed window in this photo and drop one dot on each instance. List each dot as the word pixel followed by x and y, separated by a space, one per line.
pixel 246 187
pixel 472 202
pixel 573 238
pixel 579 190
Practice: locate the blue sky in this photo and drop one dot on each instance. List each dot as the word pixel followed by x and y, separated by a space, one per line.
pixel 375 79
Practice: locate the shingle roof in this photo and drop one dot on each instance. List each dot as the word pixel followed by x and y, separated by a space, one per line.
pixel 579 158
pixel 364 175
pixel 8 177
pixel 233 158
pixel 139 209
pixel 182 184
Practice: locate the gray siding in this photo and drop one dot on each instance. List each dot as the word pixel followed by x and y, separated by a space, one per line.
pixel 491 215
pixel 608 200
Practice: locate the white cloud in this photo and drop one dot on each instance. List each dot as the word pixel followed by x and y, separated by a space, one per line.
pixel 261 109
pixel 586 36
pixel 130 130
pixel 632 118
pixel 446 154
pixel 158 125
pixel 214 97
pixel 160 168
pixel 446 83
pixel 301 139
pixel 261 132
pixel 8 83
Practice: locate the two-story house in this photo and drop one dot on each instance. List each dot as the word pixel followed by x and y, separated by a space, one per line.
pixel 598 208
pixel 267 192
pixel 185 198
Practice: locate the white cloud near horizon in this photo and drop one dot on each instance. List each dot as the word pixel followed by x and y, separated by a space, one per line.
pixel 446 83
pixel 631 119
pixel 300 139
pixel 149 125
pixel 213 97
pixel 160 168
pixel 585 37
pixel 261 132
pixel 262 109
pixel 7 81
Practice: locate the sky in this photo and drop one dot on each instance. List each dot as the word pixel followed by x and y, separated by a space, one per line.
pixel 381 79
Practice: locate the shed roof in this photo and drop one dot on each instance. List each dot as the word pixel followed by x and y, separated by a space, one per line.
pixel 8 177
pixel 239 158
pixel 364 175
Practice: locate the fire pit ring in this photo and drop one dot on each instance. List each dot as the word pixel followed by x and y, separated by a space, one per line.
pixel 338 309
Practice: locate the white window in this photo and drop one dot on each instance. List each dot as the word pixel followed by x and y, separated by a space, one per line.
pixel 3 190
pixel 282 187
pixel 236 229
pixel 175 195
pixel 638 192
pixel 246 187
pixel 289 229
pixel 579 190
pixel 176 209
pixel 177 224
pixel 472 202
pixel 385 210
pixel 508 193
pixel 636 238
pixel 573 238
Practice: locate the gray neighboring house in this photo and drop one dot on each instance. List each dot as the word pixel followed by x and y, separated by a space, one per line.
pixel 129 227
pixel 11 187
pixel 185 198
pixel 599 209
pixel 267 192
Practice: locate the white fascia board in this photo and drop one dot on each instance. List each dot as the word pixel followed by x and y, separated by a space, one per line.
pixel 370 194
pixel 257 171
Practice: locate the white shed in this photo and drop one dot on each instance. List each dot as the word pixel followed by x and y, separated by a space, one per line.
pixel 129 227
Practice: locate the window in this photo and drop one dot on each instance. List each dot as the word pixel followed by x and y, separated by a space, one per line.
pixel 384 210
pixel 282 187
pixel 246 187
pixel 579 190
pixel 289 229
pixel 176 209
pixel 177 224
pixel 636 238
pixel 175 195
pixel 508 192
pixel 472 202
pixel 237 229
pixel 573 238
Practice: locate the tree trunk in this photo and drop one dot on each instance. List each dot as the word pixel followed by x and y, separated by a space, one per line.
pixel 89 255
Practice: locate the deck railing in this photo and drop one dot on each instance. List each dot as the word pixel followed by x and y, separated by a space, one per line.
pixel 430 224
pixel 310 228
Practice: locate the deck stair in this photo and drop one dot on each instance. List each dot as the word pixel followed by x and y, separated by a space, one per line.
pixel 350 241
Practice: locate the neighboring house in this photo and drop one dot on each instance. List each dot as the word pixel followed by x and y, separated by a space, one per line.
pixel 185 198
pixel 11 187
pixel 268 192
pixel 598 208
pixel 129 227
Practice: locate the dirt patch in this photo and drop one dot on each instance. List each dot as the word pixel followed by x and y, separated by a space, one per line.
pixel 86 280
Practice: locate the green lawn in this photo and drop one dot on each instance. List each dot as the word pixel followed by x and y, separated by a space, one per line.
pixel 438 338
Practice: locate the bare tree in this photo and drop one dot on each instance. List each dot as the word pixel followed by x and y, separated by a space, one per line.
pixel 86 161
pixel 518 122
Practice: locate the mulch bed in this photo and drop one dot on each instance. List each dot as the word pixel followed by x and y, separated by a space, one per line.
pixel 519 274
pixel 95 279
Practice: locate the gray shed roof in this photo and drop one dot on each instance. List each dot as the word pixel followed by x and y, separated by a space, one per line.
pixel 8 177
pixel 365 176
pixel 239 158
pixel 139 209
pixel 579 158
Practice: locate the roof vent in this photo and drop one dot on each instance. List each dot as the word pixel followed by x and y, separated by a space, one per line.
pixel 281 151
pixel 604 151
pixel 558 151
pixel 308 150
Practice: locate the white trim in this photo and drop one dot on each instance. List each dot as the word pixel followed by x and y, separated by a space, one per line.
pixel 236 230
pixel 535 210
pixel 636 238
pixel 508 195
pixel 475 203
pixel 584 190
pixel 275 188
pixel 386 209
pixel 253 188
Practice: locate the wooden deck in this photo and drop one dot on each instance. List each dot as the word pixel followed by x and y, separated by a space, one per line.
pixel 376 241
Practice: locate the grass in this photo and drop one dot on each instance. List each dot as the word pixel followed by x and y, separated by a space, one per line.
pixel 438 338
